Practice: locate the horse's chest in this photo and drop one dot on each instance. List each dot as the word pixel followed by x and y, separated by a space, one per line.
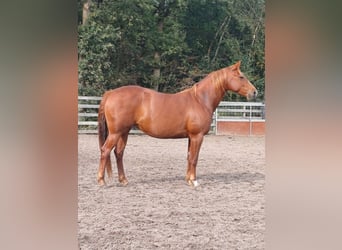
pixel 198 121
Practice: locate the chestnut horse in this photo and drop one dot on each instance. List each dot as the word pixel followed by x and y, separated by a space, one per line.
pixel 186 114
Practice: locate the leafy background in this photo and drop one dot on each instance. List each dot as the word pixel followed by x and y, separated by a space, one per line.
pixel 168 45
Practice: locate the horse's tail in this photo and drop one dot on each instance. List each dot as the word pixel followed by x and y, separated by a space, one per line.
pixel 103 133
pixel 102 124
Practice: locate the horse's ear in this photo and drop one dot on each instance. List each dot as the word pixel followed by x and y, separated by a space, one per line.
pixel 236 66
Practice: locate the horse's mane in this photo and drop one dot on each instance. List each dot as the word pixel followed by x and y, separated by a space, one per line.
pixel 217 78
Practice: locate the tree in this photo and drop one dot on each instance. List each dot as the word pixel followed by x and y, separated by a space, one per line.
pixel 168 44
pixel 128 42
pixel 223 32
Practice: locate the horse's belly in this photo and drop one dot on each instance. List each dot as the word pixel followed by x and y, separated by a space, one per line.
pixel 163 135
pixel 163 128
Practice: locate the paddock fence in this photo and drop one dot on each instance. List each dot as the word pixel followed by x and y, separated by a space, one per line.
pixel 230 118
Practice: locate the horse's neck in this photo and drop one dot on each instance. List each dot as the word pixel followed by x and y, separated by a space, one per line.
pixel 210 91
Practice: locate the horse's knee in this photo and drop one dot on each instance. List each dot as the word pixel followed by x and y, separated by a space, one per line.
pixel 105 152
pixel 119 153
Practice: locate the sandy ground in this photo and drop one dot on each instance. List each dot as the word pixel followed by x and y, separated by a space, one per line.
pixel 158 210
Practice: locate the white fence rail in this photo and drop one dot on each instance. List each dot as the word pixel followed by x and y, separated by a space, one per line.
pixel 226 111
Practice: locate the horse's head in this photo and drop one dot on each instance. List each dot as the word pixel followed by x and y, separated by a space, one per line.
pixel 238 83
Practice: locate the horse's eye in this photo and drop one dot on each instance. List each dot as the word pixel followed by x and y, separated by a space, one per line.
pixel 241 77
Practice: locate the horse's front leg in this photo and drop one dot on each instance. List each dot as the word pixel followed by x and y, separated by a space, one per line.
pixel 194 146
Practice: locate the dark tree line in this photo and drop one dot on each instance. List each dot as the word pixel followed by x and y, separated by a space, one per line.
pixel 167 45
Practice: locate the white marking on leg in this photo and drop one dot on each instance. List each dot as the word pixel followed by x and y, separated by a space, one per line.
pixel 195 183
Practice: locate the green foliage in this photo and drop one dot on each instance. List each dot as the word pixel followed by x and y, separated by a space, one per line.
pixel 125 41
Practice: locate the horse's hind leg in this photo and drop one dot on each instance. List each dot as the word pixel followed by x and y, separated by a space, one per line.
pixel 119 151
pixel 107 147
pixel 108 167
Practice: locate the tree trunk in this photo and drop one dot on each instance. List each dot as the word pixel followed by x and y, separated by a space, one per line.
pixel 216 34
pixel 253 40
pixel 225 27
pixel 156 70
pixel 86 11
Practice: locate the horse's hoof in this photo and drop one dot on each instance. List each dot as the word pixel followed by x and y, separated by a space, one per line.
pixel 124 182
pixel 193 183
pixel 101 182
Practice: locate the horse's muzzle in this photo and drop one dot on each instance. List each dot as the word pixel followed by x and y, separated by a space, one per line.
pixel 252 95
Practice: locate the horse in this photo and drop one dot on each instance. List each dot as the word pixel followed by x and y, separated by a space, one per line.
pixel 185 114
